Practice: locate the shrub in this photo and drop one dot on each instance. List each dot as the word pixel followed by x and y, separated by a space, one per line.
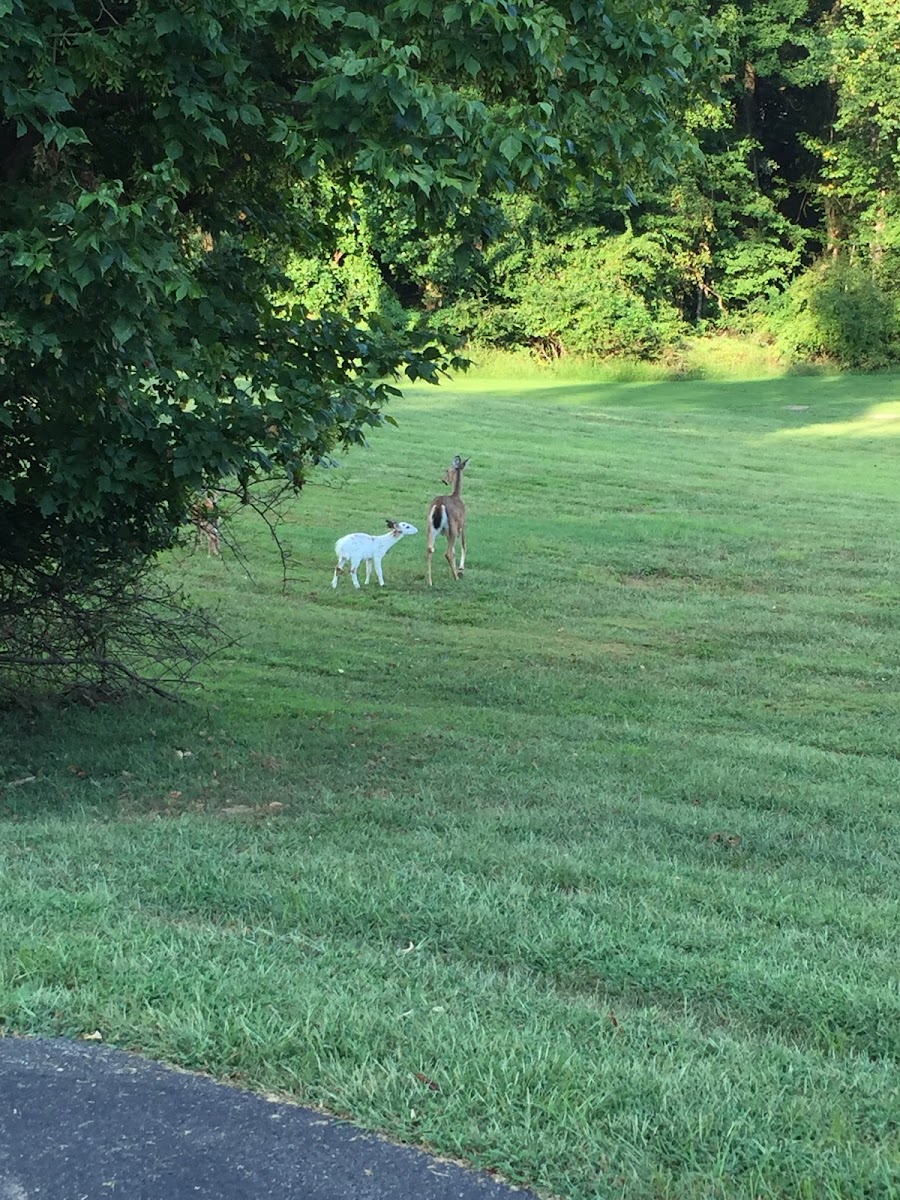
pixel 584 294
pixel 836 310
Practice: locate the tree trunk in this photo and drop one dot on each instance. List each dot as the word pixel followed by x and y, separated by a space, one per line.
pixel 747 106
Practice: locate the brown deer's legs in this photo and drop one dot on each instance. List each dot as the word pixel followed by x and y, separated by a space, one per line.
pixel 451 555
pixel 462 556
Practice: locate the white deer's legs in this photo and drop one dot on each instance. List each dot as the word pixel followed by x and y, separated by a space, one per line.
pixel 339 570
pixel 376 563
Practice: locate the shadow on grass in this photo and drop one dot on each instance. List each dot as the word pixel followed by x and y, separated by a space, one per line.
pixel 147 759
pixel 68 759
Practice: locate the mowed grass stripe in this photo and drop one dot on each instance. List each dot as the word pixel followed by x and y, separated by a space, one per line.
pixel 603 840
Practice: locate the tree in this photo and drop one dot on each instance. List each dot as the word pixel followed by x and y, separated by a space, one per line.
pixel 154 158
pixel 847 306
pixel 858 53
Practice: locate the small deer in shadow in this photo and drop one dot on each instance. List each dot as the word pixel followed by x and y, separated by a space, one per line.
pixel 205 519
pixel 447 515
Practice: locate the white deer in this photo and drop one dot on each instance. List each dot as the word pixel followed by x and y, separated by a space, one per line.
pixel 447 515
pixel 357 548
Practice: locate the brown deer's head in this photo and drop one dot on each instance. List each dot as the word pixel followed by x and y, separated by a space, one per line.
pixel 450 475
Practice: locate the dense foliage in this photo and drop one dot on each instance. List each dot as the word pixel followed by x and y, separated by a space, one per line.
pixel 794 209
pixel 158 161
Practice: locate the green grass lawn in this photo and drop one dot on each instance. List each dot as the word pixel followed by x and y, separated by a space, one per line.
pixel 602 840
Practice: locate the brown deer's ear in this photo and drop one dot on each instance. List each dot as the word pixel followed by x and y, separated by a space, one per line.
pixel 465 462
pixel 456 461
pixel 390 524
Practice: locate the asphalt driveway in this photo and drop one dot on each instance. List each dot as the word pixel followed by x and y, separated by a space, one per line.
pixel 79 1121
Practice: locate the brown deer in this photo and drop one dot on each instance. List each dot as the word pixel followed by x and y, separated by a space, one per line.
pixel 447 515
pixel 205 519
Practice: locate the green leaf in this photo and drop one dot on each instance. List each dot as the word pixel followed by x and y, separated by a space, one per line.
pixel 52 102
pixel 511 146
pixel 66 292
pixel 123 330
pixel 168 22
pixel 359 20
pixel 682 54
